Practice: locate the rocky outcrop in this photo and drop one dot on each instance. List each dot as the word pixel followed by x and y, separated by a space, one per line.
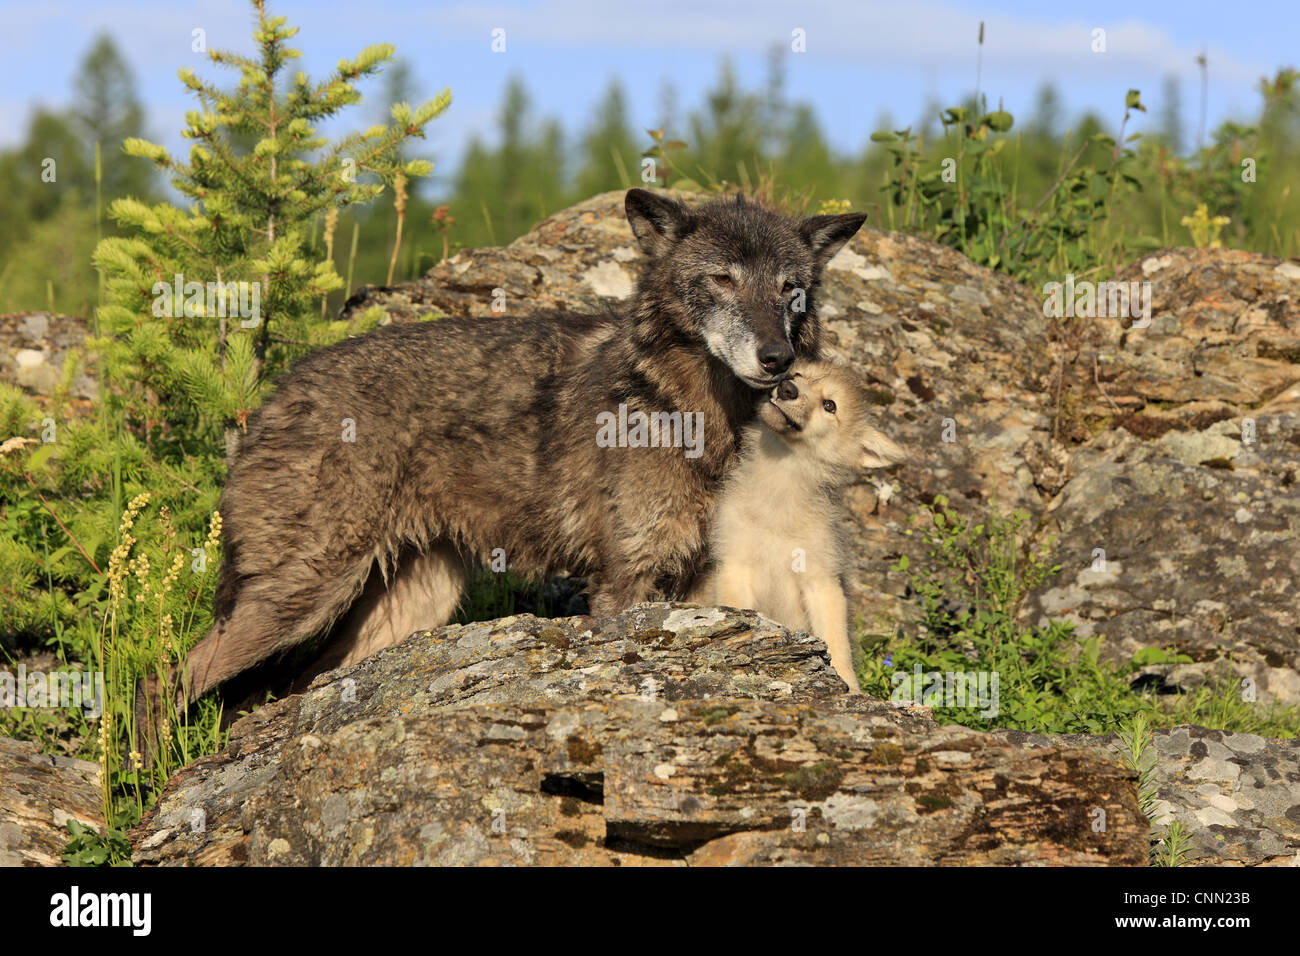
pixel 1181 525
pixel 665 735
pixel 39 793
pixel 1237 796
pixel 673 734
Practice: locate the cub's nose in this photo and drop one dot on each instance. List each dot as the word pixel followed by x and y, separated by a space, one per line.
pixel 776 357
pixel 787 389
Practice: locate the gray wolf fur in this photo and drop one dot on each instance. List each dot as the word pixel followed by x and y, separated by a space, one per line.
pixel 475 435
pixel 776 535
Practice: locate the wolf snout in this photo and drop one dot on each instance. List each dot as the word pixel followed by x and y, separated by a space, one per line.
pixel 776 357
pixel 787 390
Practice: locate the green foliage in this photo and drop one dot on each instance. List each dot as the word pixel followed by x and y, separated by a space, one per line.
pixel 248 226
pixel 971 200
pixel 107 111
pixel 1136 750
pixel 661 151
pixel 609 150
pixel 1171 849
pixel 490 595
pixel 109 540
pixel 501 193
pixel 87 847
pixel 53 183
pixel 970 588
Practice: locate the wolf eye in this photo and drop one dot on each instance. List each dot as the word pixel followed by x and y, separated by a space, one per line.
pixel 788 288
pixel 724 280
pixel 829 406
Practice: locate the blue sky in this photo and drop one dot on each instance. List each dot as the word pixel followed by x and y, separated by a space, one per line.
pixel 864 59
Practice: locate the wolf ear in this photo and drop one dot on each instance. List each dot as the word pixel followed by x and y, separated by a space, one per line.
pixel 826 235
pixel 879 452
pixel 656 222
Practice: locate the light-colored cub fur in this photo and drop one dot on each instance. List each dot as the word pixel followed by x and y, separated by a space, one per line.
pixel 776 532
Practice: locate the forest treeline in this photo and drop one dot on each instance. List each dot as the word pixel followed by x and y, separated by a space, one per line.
pixel 755 139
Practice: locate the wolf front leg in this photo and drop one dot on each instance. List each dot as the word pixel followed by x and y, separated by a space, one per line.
pixel 703 589
pixel 610 593
pixel 828 614
pixel 735 587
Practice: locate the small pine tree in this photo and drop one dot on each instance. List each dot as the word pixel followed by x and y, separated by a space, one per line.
pixel 127 595
pixel 203 304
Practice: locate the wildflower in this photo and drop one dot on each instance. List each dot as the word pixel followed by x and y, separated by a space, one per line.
pixel 1204 229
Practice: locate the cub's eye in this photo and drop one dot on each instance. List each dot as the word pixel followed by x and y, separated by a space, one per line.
pixel 829 406
pixel 724 280
pixel 787 288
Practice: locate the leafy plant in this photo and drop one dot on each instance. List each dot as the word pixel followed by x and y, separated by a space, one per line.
pixel 86 846
pixel 1171 850
pixel 969 197
pixel 1136 750
pixel 1205 228
pixel 660 151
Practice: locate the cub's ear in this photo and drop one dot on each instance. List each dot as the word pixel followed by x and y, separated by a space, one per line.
pixel 657 222
pixel 879 452
pixel 826 235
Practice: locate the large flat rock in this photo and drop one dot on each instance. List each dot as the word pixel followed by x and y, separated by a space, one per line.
pixel 665 735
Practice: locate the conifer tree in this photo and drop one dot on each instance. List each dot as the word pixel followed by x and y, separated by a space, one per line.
pixel 609 147
pixel 203 304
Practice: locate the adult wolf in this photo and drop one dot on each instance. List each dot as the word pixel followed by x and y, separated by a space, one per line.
pixel 402 457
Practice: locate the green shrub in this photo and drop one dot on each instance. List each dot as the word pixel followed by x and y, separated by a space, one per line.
pixel 109 539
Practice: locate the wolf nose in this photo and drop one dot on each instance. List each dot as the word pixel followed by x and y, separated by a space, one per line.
pixel 787 389
pixel 776 357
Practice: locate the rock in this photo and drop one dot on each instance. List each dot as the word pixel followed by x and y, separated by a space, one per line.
pixel 1157 551
pixel 33 347
pixel 38 794
pixel 1225 327
pixel 1237 795
pixel 1187 494
pixel 36 326
pixel 666 735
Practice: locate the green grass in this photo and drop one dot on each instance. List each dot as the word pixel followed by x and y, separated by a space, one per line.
pixel 974 580
pixel 490 595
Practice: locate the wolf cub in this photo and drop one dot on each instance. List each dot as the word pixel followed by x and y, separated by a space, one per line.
pixel 776 532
